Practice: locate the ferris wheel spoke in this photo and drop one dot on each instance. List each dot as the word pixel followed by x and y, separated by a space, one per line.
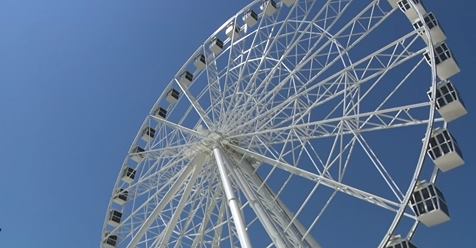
pixel 235 49
pixel 389 180
pixel 377 64
pixel 214 88
pixel 401 116
pixel 129 220
pixel 236 63
pixel 380 72
pixel 229 233
pixel 218 231
pixel 164 237
pixel 167 151
pixel 208 209
pixel 186 228
pixel 342 170
pixel 330 183
pixel 195 231
pixel 313 156
pixel 354 104
pixel 288 48
pixel 262 214
pixel 168 132
pixel 364 23
pixel 332 127
pixel 336 155
pixel 174 188
pixel 341 187
pixel 373 66
pixel 265 33
pixel 359 27
pixel 331 161
pixel 159 169
pixel 332 91
pixel 334 7
pixel 348 89
pixel 282 227
pixel 357 21
pixel 198 108
pixel 270 220
pixel 333 133
pixel 340 178
pixel 180 128
pixel 173 140
pixel 242 66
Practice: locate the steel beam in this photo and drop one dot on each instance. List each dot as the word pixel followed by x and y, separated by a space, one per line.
pixel 233 202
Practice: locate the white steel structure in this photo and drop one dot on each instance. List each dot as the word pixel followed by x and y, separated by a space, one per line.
pixel 289 116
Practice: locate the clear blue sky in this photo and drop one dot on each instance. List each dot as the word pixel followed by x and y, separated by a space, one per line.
pixel 77 79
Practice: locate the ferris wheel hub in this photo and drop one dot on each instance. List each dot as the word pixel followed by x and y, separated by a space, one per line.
pixel 210 140
pixel 215 136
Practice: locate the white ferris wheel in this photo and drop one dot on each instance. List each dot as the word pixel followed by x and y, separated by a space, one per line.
pixel 290 116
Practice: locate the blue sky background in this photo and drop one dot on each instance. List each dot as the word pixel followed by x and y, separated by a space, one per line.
pixel 77 79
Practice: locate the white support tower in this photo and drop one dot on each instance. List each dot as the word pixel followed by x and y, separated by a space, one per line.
pixel 232 201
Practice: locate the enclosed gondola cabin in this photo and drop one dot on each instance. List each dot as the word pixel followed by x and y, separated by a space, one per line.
pixel 448 101
pixel 436 32
pixel 409 9
pixel 110 241
pixel 160 112
pixel 173 96
pixel 444 150
pixel 114 218
pixel 128 175
pixel 200 62
pixel 250 18
pixel 269 7
pixel 446 65
pixel 232 31
pixel 398 242
pixel 429 204
pixel 216 46
pixel 186 79
pixel 120 197
pixel 137 154
pixel 289 3
pixel 148 134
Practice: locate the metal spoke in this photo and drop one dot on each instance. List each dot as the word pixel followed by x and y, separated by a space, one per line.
pixel 178 127
pixel 382 119
pixel 169 195
pixel 198 108
pixel 165 235
pixel 349 190
pixel 270 210
pixel 363 65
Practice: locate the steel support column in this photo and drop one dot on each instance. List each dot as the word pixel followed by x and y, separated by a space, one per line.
pixel 233 202
pixel 276 203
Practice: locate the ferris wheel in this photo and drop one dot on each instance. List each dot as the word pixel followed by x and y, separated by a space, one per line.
pixel 293 114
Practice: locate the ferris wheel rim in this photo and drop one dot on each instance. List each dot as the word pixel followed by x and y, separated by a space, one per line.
pixel 426 140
